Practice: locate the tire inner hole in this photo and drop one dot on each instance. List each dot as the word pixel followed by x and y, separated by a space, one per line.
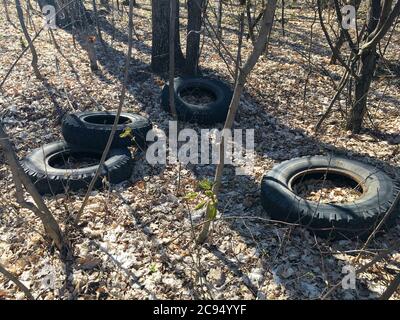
pixel 106 119
pixel 197 95
pixel 74 160
pixel 326 187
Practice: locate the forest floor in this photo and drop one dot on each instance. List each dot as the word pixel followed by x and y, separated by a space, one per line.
pixel 128 245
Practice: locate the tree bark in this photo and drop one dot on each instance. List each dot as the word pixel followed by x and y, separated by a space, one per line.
pixel 250 22
pixel 219 18
pixel 172 35
pixel 96 17
pixel 283 17
pixel 39 208
pixel 34 62
pixel 259 47
pixel 365 72
pixel 195 9
pixel 240 41
pixel 160 38
pixel 367 66
pixel 105 4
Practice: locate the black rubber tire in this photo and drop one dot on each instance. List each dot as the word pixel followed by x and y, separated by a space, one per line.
pixel 342 220
pixel 49 180
pixel 210 113
pixel 77 130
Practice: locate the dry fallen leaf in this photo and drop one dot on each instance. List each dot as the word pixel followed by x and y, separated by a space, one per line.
pixel 88 262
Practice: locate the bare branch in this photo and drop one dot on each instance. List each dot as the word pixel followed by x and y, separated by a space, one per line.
pixel 39 209
pixel 116 120
pixel 18 283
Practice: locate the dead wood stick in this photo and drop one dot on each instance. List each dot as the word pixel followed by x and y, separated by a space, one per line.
pixel 18 283
pixel 34 62
pixel 259 48
pixel 39 208
pixel 335 97
pixel 391 289
pixel 116 120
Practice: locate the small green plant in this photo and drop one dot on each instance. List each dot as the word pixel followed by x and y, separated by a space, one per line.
pixel 153 268
pixel 22 43
pixel 210 202
pixel 127 133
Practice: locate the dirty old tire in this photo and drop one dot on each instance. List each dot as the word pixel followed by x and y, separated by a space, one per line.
pixel 209 113
pixel 92 129
pixel 52 170
pixel 332 220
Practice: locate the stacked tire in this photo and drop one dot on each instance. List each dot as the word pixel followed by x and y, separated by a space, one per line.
pixel 52 168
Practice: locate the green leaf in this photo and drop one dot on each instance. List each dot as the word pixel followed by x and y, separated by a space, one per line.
pixel 211 210
pixel 22 42
pixel 209 193
pixel 205 184
pixel 191 195
pixel 200 205
pixel 153 268
pixel 126 133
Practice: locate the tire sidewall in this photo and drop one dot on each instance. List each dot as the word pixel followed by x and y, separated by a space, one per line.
pixel 283 204
pixel 213 112
pixel 117 167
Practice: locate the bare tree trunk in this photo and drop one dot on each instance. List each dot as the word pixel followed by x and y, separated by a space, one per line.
pixel 283 17
pixel 363 58
pixel 160 38
pixel 240 41
pixel 219 18
pixel 84 33
pixel 96 17
pixel 259 48
pixel 39 208
pixel 75 12
pixel 171 97
pixel 105 4
pixel 250 22
pixel 34 62
pixel 126 2
pixel 365 72
pixel 88 44
pixel 195 9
